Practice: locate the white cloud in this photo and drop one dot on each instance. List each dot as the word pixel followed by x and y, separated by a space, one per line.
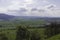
pixel 15 5
pixel 3 10
pixel 43 8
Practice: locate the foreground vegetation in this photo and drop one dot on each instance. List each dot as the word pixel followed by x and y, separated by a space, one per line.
pixel 12 31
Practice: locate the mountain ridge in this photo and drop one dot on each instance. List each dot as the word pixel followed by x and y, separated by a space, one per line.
pixel 8 17
pixel 5 16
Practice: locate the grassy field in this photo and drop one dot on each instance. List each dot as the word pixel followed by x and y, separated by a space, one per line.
pixel 11 34
pixel 56 37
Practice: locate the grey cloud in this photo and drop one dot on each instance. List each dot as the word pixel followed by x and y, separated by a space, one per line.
pixel 23 10
pixel 41 10
pixel 20 10
pixel 51 6
pixel 34 9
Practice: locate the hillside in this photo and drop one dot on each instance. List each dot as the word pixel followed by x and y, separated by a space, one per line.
pixel 56 37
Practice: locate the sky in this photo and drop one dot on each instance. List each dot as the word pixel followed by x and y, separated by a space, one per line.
pixel 41 8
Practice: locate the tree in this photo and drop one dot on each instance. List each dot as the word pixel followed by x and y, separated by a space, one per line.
pixel 22 33
pixel 35 35
pixel 0 25
pixel 52 29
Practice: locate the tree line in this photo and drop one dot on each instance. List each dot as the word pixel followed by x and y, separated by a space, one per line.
pixel 52 29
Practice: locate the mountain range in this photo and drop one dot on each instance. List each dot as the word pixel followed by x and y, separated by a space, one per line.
pixel 5 16
pixel 10 17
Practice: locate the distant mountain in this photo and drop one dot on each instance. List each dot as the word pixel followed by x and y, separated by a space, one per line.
pixel 5 16
pixel 10 17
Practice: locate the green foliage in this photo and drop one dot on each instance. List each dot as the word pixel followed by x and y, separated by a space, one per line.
pixel 56 37
pixel 28 30
pixel 22 33
pixel 35 35
pixel 52 29
pixel 3 37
